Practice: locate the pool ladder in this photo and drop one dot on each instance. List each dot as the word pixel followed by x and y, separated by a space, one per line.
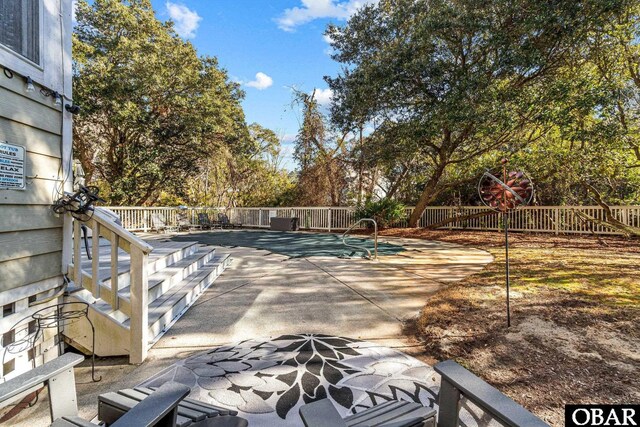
pixel 363 248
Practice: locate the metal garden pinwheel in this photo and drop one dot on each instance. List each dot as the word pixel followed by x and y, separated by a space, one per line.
pixel 505 191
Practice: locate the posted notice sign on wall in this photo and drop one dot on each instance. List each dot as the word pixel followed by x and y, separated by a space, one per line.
pixel 12 166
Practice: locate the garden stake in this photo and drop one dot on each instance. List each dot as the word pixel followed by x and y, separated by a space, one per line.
pixel 505 195
pixel 505 219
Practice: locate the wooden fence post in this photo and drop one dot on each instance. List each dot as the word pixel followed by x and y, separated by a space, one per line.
pixel 451 214
pixel 329 219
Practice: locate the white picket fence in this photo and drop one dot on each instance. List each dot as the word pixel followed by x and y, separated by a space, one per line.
pixel 541 219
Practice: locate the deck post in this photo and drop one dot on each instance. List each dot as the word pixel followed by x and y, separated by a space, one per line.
pixel 77 256
pixel 329 219
pixel 139 323
pixel 95 261
pixel 115 247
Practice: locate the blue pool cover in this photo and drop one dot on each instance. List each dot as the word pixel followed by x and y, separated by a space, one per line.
pixel 292 244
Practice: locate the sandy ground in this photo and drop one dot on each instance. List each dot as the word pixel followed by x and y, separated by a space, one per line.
pixel 575 314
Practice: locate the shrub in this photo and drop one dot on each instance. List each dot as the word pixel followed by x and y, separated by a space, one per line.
pixel 385 211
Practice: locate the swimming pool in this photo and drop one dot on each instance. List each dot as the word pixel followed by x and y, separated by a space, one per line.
pixel 291 244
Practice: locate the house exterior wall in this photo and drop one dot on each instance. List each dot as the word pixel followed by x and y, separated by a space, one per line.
pixel 34 242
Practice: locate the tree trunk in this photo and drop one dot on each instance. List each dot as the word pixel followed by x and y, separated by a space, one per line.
pixel 459 218
pixel 360 170
pixel 427 196
pixel 610 220
pixel 396 185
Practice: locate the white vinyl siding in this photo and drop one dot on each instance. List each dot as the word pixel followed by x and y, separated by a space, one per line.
pixel 35 42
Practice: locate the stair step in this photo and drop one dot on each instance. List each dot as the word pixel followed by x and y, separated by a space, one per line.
pixel 159 278
pixel 160 258
pixel 163 313
pixel 158 264
pixel 203 254
pixel 112 328
pixel 170 305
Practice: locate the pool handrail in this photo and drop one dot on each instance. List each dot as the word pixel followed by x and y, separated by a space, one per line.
pixel 375 237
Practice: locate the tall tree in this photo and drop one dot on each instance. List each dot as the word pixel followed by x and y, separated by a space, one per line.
pixel 248 173
pixel 153 110
pixel 454 80
pixel 319 151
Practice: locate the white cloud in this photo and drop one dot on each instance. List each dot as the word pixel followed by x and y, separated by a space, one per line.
pixel 318 9
pixel 329 49
pixel 186 20
pixel 288 138
pixel 324 96
pixel 261 82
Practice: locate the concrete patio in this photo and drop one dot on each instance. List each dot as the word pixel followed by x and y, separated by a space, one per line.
pixel 263 295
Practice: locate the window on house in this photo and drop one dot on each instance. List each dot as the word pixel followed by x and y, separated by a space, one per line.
pixel 20 27
pixel 8 338
pixel 8 367
pixel 8 309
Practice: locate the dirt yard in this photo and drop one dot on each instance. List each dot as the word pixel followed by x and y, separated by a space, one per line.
pixel 575 334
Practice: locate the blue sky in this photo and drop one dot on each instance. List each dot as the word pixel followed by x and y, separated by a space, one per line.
pixel 268 46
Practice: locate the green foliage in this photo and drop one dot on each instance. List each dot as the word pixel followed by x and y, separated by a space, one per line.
pixel 454 85
pixel 318 150
pixel 169 199
pixel 161 124
pixel 385 211
pixel 152 108
pixel 247 174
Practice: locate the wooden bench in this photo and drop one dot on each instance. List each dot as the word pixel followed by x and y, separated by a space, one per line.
pixel 59 379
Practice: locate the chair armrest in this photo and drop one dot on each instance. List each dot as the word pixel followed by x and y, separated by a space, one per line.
pixel 321 414
pixel 160 406
pixel 38 375
pixel 457 380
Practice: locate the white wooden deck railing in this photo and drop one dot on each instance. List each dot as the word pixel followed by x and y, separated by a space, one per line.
pixel 540 219
pixel 136 218
pixel 138 250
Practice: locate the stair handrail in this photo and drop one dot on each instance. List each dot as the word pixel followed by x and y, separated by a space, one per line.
pixel 375 237
pixel 102 224
pixel 106 221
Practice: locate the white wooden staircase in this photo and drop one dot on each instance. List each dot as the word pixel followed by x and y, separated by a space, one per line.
pixel 135 289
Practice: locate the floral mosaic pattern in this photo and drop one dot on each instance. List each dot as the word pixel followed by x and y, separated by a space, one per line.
pixel 267 381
